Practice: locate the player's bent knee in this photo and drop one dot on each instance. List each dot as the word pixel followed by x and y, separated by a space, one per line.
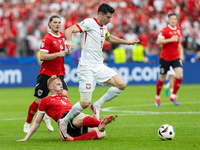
pixel 101 134
pixel 37 100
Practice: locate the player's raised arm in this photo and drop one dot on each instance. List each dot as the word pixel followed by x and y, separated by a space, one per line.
pixel 68 36
pixel 114 39
pixel 34 127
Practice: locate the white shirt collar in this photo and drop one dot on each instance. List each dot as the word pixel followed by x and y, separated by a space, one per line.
pixel 173 28
pixel 55 35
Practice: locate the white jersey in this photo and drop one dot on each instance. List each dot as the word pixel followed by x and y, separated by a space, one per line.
pixel 92 40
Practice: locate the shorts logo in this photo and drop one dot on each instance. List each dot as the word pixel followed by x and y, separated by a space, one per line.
pixel 39 92
pixel 88 86
pixel 162 70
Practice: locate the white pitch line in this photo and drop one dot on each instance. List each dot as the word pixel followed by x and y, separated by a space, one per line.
pixel 125 112
pixel 14 119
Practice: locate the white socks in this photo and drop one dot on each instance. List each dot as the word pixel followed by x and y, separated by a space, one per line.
pixel 76 110
pixel 111 93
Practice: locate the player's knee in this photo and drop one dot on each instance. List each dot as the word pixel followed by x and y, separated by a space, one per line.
pixel 101 134
pixel 37 100
pixel 179 76
pixel 122 86
pixel 84 104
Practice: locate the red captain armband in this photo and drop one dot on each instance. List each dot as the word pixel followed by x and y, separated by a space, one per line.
pixel 107 34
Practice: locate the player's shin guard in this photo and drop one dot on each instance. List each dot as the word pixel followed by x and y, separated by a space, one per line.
pixel 90 122
pixel 177 85
pixel 76 110
pixel 87 136
pixel 159 85
pixel 31 112
pixel 111 93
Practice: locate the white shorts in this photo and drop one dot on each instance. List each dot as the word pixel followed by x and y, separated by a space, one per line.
pixel 90 75
pixel 171 71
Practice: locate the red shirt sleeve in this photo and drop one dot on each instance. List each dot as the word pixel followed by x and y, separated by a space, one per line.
pixel 42 106
pixel 46 44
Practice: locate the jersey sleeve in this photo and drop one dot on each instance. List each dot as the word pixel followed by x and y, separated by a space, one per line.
pixel 162 34
pixel 84 25
pixel 42 106
pixel 45 45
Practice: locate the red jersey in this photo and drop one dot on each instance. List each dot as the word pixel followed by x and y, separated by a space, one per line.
pixel 170 50
pixel 53 44
pixel 55 106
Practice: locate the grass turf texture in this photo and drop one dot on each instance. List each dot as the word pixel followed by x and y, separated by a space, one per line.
pixel 135 127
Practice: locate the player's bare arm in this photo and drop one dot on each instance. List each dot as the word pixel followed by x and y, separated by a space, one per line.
pixel 165 41
pixel 68 36
pixel 114 39
pixel 180 48
pixel 45 56
pixel 34 127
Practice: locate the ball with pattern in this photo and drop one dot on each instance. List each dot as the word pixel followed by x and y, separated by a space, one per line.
pixel 166 132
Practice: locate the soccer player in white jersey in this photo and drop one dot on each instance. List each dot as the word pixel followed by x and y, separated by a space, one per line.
pixel 91 69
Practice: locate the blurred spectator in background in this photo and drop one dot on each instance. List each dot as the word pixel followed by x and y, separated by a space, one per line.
pixel 77 53
pixel 20 20
pixel 138 53
pixel 119 55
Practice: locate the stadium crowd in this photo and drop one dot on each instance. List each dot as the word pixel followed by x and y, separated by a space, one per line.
pixel 24 22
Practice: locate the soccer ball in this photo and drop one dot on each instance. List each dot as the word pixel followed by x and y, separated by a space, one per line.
pixel 166 132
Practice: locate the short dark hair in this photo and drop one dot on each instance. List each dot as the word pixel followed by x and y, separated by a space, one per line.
pixel 105 8
pixel 172 14
pixel 51 19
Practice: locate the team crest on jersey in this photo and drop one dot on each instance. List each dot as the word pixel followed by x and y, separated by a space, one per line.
pixel 178 32
pixel 101 32
pixel 59 41
pixel 88 86
pixel 61 47
pixel 39 92
pixel 42 45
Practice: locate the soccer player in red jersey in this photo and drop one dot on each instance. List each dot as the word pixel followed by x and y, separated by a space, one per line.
pixel 57 105
pixel 52 53
pixel 170 39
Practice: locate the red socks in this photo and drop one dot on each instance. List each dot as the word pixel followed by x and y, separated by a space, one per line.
pixel 90 122
pixel 87 136
pixel 159 87
pixel 31 112
pixel 177 85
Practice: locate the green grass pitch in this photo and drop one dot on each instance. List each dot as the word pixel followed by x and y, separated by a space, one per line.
pixel 135 128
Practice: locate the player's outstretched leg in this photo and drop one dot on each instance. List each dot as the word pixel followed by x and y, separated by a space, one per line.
pixel 62 130
pixel 105 121
pixel 47 121
pixel 96 111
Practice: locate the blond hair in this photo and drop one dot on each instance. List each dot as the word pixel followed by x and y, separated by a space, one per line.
pixel 50 80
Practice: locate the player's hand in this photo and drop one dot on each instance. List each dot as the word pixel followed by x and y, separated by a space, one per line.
pixel 182 58
pixel 174 38
pixel 62 53
pixel 180 39
pixel 133 41
pixel 69 45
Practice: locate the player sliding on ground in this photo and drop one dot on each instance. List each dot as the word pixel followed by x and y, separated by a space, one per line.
pixel 57 105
